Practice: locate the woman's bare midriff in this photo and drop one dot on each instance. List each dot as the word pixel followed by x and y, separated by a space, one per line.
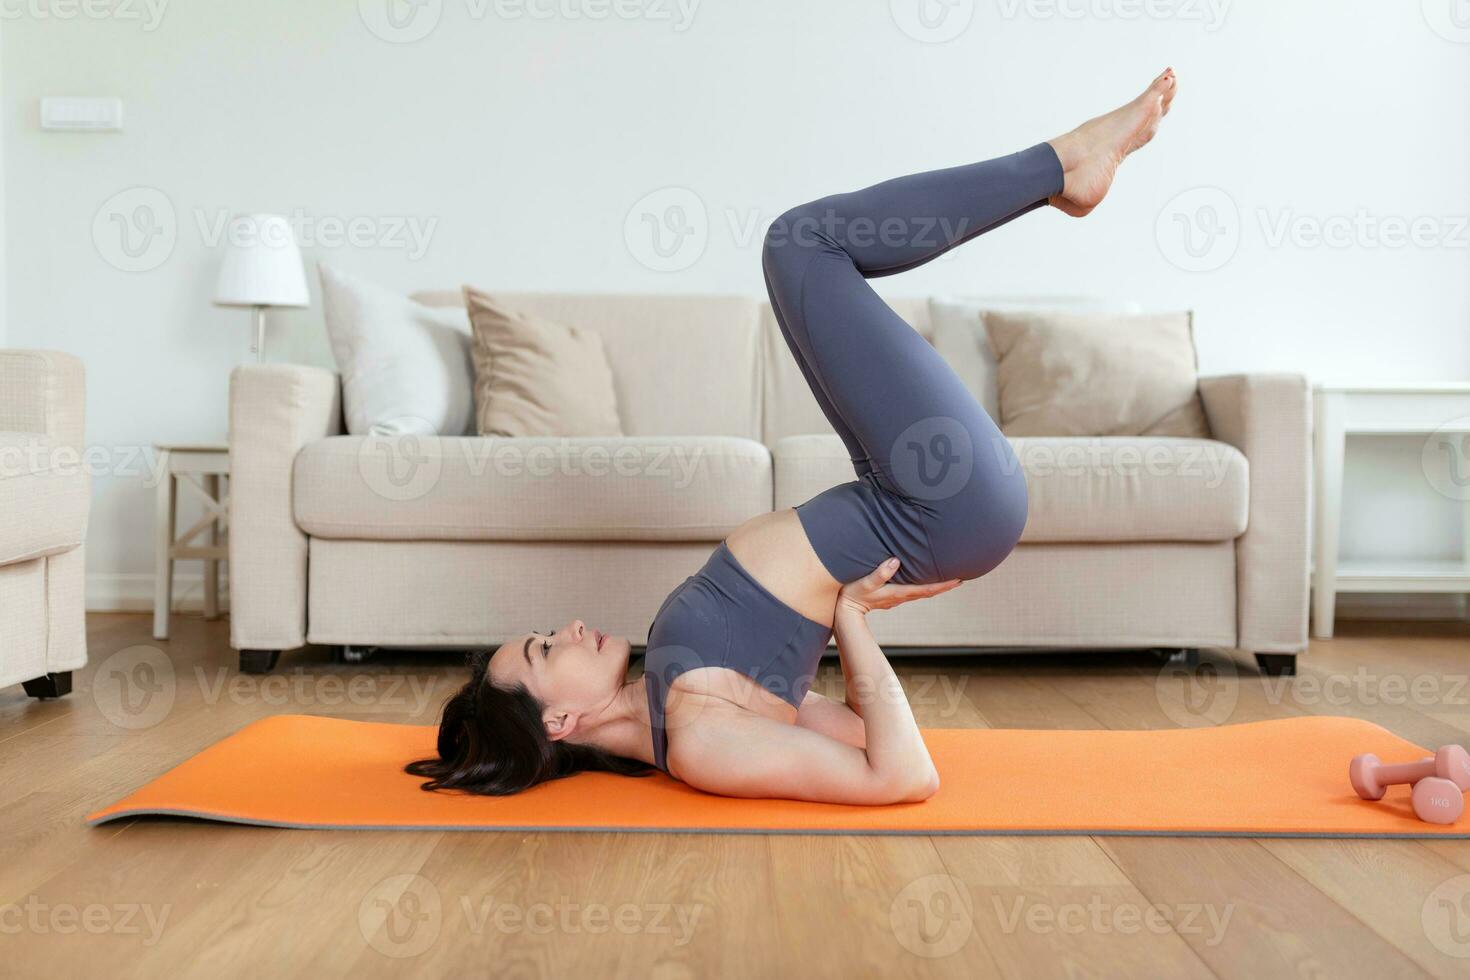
pixel 774 549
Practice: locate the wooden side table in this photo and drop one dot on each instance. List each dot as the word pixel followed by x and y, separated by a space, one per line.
pixel 203 468
pixel 1440 413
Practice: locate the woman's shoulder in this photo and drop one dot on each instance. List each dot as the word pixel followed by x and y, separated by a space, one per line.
pixel 705 734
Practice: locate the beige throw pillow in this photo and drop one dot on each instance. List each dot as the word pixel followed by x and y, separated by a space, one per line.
pixel 537 377
pixel 1079 374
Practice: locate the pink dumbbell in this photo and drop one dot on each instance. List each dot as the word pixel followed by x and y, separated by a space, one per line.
pixel 1439 782
pixel 1371 777
pixel 1438 800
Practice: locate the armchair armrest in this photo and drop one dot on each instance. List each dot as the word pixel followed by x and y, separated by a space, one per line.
pixel 44 392
pixel 45 491
pixel 275 410
pixel 1268 418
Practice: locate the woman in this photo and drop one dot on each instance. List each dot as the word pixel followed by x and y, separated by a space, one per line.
pixel 724 701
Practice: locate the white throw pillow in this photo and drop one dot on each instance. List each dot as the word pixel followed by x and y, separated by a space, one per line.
pixel 405 367
pixel 959 333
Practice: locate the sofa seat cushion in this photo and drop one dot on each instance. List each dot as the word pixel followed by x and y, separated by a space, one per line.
pixel 593 488
pixel 1082 489
pixel 44 494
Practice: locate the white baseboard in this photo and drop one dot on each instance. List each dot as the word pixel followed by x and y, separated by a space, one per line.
pixel 133 592
pixel 1424 606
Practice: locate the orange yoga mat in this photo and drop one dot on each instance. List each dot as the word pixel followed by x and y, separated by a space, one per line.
pixel 1268 778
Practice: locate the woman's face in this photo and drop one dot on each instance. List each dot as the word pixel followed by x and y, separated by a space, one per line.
pixel 574 671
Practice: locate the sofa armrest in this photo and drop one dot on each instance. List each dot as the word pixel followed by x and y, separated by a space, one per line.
pixel 1268 418
pixel 45 392
pixel 275 410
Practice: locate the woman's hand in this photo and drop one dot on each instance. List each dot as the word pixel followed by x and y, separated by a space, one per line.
pixel 873 590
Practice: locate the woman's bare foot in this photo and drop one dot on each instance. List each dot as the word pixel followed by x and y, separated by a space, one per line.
pixel 1090 154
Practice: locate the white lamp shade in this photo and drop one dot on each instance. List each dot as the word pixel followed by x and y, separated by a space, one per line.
pixel 262 265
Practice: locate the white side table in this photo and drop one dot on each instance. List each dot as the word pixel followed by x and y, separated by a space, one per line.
pixel 1440 413
pixel 203 468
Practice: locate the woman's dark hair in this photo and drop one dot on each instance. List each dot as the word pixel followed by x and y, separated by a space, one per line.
pixel 492 742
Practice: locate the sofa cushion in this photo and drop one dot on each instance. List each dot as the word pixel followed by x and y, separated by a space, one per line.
pixel 44 493
pixel 629 488
pixel 538 377
pixel 1081 489
pixel 1075 374
pixel 405 366
pixel 959 333
pixel 682 365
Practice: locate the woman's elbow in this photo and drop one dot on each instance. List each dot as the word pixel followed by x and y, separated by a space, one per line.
pixel 926 786
pixel 909 787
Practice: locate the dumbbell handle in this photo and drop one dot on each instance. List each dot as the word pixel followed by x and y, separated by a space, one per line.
pixel 1404 772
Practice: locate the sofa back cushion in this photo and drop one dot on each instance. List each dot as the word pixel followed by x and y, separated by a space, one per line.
pixel 682 365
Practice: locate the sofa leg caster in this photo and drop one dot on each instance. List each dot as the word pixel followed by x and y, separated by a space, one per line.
pixel 50 686
pixel 258 661
pixel 349 654
pixel 1187 656
pixel 1277 664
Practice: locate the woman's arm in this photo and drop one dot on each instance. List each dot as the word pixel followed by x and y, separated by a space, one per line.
pixel 894 745
pixel 738 753
pixel 833 718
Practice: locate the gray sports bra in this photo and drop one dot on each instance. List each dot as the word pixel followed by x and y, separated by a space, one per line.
pixel 722 617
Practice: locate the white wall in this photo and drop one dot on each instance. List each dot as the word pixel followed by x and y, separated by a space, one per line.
pixel 4 292
pixel 522 142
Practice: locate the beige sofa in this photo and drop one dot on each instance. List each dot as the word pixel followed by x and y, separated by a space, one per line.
pixel 429 542
pixel 44 496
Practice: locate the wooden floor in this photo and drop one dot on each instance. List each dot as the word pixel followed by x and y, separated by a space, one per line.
pixel 166 898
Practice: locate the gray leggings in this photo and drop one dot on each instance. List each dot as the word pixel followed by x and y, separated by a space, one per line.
pixel 938 485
